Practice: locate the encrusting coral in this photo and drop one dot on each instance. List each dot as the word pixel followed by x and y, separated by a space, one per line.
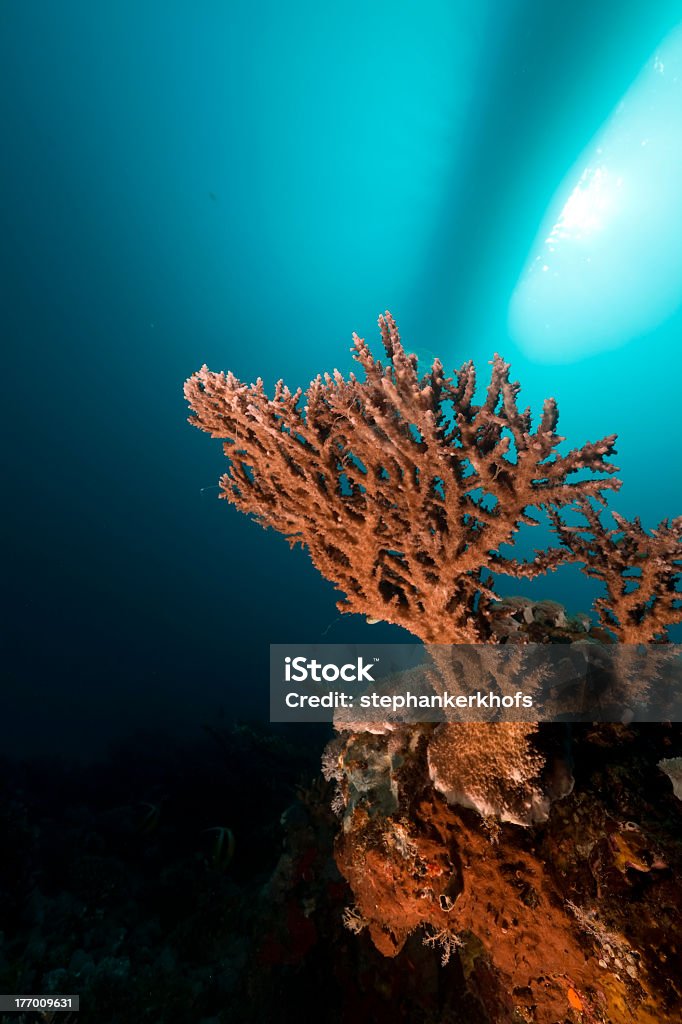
pixel 406 492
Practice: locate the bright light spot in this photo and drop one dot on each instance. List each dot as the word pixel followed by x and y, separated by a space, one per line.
pixel 611 238
pixel 588 205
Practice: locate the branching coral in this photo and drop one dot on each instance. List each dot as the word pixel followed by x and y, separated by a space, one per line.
pixel 640 572
pixel 403 490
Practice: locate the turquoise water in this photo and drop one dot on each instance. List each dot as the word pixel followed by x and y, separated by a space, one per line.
pixel 244 186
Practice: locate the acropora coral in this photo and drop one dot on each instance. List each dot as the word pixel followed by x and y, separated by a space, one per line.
pixel 405 492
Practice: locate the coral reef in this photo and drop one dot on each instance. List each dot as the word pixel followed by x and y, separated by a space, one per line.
pixel 543 908
pixel 406 494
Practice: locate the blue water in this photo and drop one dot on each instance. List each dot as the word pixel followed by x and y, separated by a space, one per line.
pixel 244 186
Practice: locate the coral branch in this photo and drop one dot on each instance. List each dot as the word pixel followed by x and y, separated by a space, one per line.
pixel 640 572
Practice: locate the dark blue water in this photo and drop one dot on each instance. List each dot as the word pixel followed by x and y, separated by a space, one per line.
pixel 244 187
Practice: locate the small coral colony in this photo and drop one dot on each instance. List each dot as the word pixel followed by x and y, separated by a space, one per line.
pixel 409 496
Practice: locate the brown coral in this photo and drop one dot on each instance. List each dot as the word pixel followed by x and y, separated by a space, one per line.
pixel 403 489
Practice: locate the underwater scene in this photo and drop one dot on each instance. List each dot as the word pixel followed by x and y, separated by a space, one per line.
pixel 341 673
